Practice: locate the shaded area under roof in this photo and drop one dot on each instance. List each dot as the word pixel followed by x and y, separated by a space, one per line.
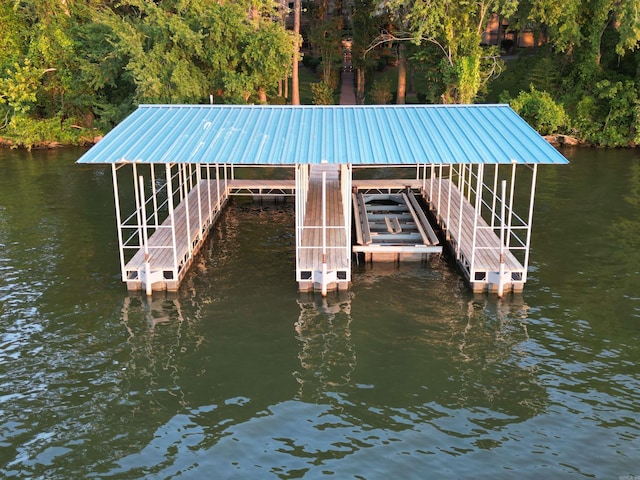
pixel 288 135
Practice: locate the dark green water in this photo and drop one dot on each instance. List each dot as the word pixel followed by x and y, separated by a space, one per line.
pixel 238 376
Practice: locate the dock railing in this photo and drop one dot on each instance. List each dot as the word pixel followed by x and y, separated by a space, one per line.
pixel 492 215
pixel 186 198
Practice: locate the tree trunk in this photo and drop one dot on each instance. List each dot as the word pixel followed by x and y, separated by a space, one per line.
pixel 295 86
pixel 499 37
pixel 402 75
pixel 262 95
pixel 360 86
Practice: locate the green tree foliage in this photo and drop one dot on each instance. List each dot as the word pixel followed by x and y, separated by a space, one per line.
pixel 540 111
pixel 182 52
pixel 322 94
pixel 610 116
pixel 366 26
pixel 13 41
pixel 455 28
pixel 326 38
pixel 266 57
pixel 70 67
pixel 381 92
pixel 18 89
pixel 577 27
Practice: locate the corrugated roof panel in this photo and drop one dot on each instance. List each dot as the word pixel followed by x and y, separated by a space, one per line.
pixel 442 140
pixel 418 140
pixel 506 142
pixel 286 135
pixel 491 128
pixel 378 136
pixel 472 123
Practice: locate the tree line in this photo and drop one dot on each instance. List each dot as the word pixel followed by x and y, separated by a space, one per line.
pixel 71 69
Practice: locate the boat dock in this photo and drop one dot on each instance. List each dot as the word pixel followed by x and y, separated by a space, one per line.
pixel 437 178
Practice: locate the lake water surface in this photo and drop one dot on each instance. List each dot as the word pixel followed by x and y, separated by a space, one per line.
pixel 407 375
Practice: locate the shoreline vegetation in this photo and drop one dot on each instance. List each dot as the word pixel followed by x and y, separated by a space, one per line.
pixel 557 140
pixel 70 70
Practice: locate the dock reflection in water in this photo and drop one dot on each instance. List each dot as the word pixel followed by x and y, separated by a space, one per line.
pixel 327 356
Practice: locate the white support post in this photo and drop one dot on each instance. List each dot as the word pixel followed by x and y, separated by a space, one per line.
pixel 198 188
pixel 324 233
pixel 424 177
pixel 173 219
pixel 136 193
pixel 147 258
pixel 495 195
pixel 218 187
pixel 154 194
pixel 439 191
pixel 477 207
pixel 431 181
pixel 449 204
pixel 210 212
pixel 502 214
pixel 461 190
pixel 298 212
pixel 226 179
pixel 116 197
pixel 180 174
pixel 531 200
pixel 511 193
pixel 186 207
pixel 345 181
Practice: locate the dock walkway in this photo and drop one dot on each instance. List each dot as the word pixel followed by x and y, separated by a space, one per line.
pixel 311 251
pixel 457 219
pixel 191 220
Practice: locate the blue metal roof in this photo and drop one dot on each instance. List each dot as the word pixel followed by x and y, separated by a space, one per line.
pixel 288 135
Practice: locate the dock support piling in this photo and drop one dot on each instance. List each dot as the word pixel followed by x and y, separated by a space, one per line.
pixel 502 215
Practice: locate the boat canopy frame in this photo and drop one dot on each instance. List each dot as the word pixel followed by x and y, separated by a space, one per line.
pixel 460 153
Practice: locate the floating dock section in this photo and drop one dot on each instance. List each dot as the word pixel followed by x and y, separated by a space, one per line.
pixel 488 238
pixel 323 228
